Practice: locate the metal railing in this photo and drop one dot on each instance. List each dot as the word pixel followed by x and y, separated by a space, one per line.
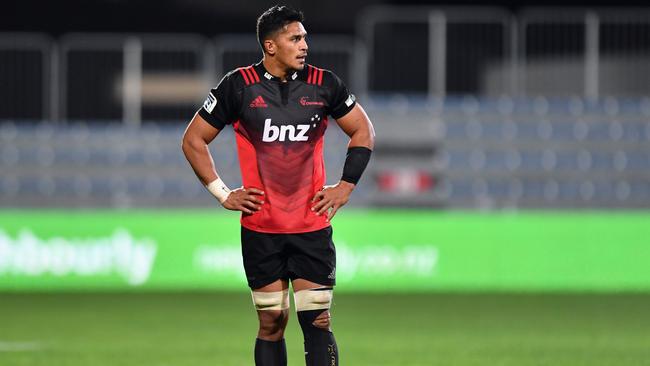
pixel 435 50
pixel 397 49
pixel 113 77
pixel 488 51
pixel 132 78
pixel 27 76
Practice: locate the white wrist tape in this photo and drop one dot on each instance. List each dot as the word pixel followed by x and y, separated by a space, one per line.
pixel 219 189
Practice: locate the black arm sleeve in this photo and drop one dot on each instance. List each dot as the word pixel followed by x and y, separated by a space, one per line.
pixel 341 100
pixel 355 163
pixel 221 107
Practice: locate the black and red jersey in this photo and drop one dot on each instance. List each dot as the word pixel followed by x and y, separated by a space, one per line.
pixel 279 128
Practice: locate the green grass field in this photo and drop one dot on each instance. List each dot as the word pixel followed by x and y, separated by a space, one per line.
pixel 219 329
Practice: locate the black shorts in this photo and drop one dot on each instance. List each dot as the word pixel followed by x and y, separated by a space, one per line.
pixel 270 257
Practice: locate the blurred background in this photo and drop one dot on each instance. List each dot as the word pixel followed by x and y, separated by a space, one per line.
pixel 486 107
pixel 512 156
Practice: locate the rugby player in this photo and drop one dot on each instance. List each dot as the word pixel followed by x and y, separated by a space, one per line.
pixel 278 109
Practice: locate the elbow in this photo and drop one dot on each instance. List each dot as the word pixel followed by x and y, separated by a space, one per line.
pixel 189 143
pixel 185 143
pixel 371 139
pixel 363 137
pixel 369 136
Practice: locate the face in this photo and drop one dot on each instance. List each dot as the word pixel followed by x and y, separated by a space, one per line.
pixel 290 46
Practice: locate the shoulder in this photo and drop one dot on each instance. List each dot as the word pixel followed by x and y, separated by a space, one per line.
pixel 240 77
pixel 319 76
pixel 331 80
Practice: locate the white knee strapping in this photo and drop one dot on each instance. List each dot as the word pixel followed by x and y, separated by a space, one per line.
pixel 313 299
pixel 278 300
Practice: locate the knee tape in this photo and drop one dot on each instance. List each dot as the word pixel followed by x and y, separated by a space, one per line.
pixel 278 300
pixel 313 299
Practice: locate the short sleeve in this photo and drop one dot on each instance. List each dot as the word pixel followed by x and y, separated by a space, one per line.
pixel 221 105
pixel 341 100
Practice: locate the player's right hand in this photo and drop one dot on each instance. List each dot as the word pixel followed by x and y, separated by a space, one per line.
pixel 246 200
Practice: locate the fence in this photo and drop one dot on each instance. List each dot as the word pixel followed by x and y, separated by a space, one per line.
pixel 28 76
pixel 488 51
pixel 110 77
pixel 421 50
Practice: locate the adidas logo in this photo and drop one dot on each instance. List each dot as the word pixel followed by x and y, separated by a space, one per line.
pixel 258 103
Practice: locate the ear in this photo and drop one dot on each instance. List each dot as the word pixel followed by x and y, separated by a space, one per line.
pixel 270 47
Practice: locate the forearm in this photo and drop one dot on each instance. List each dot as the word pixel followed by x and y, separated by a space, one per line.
pixel 198 155
pixel 358 155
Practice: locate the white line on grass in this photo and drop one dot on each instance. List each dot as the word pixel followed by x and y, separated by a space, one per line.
pixel 7 346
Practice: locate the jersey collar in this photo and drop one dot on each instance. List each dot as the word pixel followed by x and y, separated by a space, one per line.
pixel 268 76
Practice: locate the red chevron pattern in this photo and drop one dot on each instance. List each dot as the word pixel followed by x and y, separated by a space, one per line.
pixel 290 175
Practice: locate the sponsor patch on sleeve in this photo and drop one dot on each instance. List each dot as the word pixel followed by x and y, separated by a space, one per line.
pixel 210 103
pixel 350 100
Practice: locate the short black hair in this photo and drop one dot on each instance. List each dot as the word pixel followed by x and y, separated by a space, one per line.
pixel 275 19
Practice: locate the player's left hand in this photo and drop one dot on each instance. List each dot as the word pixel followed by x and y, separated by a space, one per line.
pixel 332 198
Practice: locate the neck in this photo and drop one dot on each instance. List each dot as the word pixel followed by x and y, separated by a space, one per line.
pixel 275 68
